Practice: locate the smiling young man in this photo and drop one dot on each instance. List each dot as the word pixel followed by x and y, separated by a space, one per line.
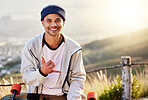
pixel 52 63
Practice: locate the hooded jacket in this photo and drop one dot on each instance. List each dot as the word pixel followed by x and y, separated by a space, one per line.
pixel 73 73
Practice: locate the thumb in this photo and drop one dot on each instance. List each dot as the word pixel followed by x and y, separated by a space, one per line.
pixel 43 59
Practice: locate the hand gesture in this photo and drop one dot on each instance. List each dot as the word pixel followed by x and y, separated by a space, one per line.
pixel 48 67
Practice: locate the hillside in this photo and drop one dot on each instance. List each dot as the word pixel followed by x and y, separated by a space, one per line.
pixel 108 51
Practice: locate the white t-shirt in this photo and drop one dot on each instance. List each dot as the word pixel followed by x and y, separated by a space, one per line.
pixel 52 84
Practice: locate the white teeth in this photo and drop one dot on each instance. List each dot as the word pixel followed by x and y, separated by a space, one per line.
pixel 53 29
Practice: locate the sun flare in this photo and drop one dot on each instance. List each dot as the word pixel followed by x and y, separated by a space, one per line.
pixel 127 13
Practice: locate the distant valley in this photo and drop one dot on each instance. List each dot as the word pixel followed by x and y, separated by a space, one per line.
pixel 108 51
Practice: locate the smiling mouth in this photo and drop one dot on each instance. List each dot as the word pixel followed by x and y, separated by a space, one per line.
pixel 54 29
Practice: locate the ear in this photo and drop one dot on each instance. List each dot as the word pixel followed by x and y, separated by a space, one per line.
pixel 43 23
pixel 63 23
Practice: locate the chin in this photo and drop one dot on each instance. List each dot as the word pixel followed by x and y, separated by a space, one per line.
pixel 52 34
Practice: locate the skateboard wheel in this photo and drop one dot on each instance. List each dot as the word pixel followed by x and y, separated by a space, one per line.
pixel 91 96
pixel 16 87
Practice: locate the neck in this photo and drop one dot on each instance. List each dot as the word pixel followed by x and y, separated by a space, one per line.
pixel 53 41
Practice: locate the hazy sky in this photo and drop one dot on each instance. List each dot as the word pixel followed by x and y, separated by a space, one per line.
pixel 100 18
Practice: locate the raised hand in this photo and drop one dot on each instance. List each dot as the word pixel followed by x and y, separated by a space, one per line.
pixel 48 67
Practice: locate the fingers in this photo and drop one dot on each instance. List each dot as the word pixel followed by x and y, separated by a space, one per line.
pixel 50 62
pixel 57 71
pixel 49 66
pixel 43 59
pixel 52 66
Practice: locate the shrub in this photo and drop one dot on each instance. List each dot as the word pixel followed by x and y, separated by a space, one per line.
pixel 115 90
pixel 135 88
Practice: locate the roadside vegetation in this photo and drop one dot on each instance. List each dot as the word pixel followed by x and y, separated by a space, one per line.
pixel 110 88
pixel 107 87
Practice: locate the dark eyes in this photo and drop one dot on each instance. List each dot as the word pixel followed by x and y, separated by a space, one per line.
pixel 48 20
pixel 56 21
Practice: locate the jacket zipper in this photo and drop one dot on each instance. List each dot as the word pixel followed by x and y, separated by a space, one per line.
pixel 38 65
pixel 66 78
pixel 34 57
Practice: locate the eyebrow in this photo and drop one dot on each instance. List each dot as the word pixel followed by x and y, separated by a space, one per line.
pixel 51 19
pixel 58 18
pixel 47 19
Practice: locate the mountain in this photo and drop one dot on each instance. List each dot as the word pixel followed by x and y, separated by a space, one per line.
pixel 109 51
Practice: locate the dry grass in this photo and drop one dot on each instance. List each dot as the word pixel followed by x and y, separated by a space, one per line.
pixel 143 79
pixel 98 82
pixel 5 90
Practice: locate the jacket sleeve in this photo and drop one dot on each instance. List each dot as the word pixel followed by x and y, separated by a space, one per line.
pixel 29 69
pixel 77 78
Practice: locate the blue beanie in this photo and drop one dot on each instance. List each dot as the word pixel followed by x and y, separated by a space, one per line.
pixel 52 9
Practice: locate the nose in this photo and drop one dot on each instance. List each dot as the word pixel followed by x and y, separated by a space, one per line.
pixel 53 24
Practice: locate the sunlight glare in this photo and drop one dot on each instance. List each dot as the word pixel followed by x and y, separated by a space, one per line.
pixel 127 13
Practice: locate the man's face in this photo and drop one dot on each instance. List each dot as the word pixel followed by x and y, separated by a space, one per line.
pixel 53 24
